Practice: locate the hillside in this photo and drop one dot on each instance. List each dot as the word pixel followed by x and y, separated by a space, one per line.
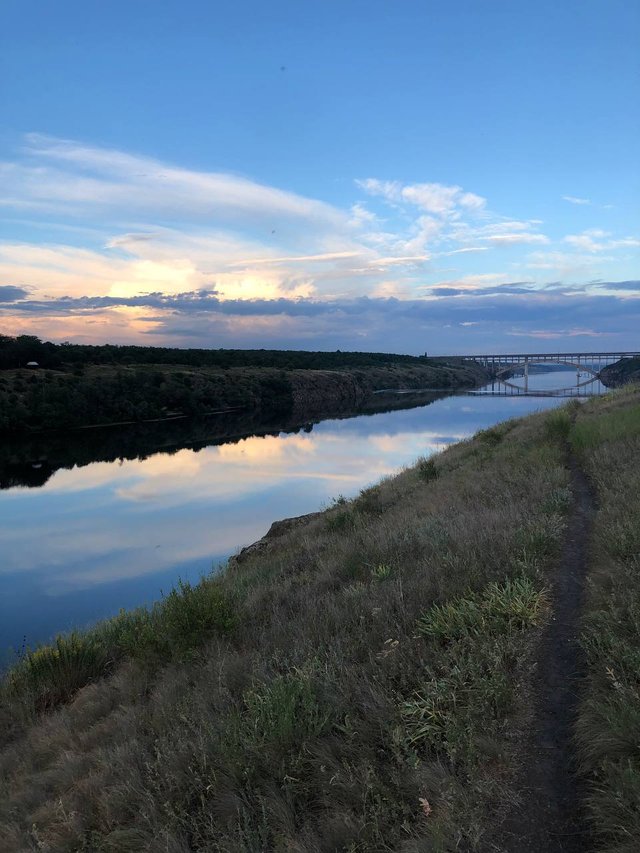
pixel 375 677
pixel 78 386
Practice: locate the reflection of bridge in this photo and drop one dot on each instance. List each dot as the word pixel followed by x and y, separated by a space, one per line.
pixel 501 367
pixel 501 388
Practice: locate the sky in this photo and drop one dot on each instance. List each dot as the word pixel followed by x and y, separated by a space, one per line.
pixel 452 177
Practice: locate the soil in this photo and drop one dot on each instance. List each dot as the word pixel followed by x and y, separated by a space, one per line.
pixel 550 817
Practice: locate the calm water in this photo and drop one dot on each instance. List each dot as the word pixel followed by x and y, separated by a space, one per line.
pixel 85 540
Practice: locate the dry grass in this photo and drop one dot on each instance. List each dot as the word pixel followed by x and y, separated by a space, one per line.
pixel 366 696
pixel 607 435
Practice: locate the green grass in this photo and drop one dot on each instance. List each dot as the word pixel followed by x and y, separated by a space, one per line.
pixel 590 433
pixel 467 696
pixel 500 610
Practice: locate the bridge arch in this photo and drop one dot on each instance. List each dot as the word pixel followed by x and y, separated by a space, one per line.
pixel 518 365
pixel 526 363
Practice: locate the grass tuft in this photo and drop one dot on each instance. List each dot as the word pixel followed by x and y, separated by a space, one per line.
pixel 463 706
pixel 513 605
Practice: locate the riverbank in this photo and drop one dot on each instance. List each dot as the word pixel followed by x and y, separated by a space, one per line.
pixel 82 395
pixel 365 681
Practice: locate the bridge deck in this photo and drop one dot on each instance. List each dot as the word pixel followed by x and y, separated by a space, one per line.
pixel 547 356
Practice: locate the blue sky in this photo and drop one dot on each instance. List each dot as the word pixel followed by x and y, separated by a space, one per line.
pixel 405 176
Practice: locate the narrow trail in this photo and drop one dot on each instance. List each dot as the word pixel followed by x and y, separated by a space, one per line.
pixel 550 818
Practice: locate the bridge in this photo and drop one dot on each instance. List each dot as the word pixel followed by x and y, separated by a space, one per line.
pixel 502 366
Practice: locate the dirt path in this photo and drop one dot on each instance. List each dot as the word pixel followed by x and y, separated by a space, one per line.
pixel 549 819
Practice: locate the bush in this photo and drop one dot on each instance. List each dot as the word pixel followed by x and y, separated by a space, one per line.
pixel 426 469
pixel 52 674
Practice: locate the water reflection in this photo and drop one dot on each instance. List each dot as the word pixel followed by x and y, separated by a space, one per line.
pixel 82 538
pixel 550 383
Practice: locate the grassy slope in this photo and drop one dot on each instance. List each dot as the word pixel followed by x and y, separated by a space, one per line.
pixel 609 724
pixel 365 679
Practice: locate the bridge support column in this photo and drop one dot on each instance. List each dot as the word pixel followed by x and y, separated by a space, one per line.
pixel 526 375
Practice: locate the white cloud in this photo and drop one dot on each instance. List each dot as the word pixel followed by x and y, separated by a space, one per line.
pixel 574 200
pixel 625 242
pixel 437 199
pixel 584 242
pixel 432 198
pixel 568 265
pixel 390 190
pixel 73 177
pixel 508 232
pixel 597 240
pixel 516 239
pixel 361 216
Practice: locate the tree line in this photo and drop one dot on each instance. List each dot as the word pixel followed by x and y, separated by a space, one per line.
pixel 17 351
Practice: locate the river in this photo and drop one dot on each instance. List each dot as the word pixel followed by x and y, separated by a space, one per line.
pixel 81 538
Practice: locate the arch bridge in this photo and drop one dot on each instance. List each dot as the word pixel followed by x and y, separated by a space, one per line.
pixel 503 365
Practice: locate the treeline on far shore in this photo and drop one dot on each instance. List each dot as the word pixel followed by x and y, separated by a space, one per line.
pixel 19 351
pixel 45 386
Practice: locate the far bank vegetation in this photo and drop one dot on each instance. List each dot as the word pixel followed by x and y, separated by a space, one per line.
pixel 77 385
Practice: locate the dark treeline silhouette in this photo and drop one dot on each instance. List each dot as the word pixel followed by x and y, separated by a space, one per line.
pixel 18 351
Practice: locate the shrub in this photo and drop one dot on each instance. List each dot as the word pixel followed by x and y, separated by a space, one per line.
pixel 52 674
pixel 190 614
pixel 426 469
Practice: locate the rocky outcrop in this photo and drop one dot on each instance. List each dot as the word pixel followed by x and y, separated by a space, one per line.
pixel 621 373
pixel 275 532
pixel 328 390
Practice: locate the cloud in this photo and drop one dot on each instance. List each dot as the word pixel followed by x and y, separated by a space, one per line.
pixel 501 233
pixel 437 199
pixel 326 256
pixel 625 242
pixel 554 334
pixel 615 286
pixel 588 240
pixel 598 240
pixel 574 200
pixel 71 176
pixel 516 239
pixel 126 240
pixel 569 265
pixel 11 293
pixel 191 256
